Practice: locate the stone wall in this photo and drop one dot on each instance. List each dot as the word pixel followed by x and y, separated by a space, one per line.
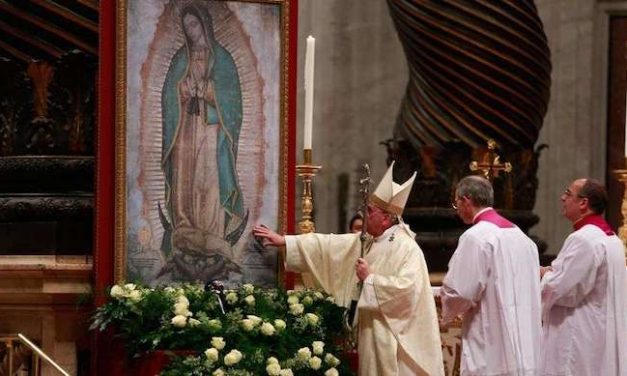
pixel 360 79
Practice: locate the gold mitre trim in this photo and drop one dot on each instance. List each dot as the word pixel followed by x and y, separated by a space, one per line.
pixel 381 204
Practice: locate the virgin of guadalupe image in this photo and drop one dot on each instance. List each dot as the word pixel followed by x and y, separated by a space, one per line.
pixel 203 215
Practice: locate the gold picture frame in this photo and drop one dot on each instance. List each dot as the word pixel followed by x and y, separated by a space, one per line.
pixel 203 156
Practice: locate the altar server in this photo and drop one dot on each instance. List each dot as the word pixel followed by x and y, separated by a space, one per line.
pixel 396 315
pixel 584 293
pixel 493 281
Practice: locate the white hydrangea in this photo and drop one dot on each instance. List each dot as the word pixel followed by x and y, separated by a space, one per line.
pixel 297 309
pixel 250 300
pixel 293 299
pixel 271 360
pixel 193 322
pixel 318 295
pixel 248 288
pixel 267 329
pixel 135 295
pixel 286 372
pixel 307 301
pixel 215 324
pixel 182 299
pixel 255 319
pixel 315 362
pixel 218 342
pixel 212 354
pixel 303 354
pixel 318 347
pixel 182 309
pixel 312 319
pixel 231 298
pixel 117 292
pixel 232 357
pixel 273 369
pixel 179 321
pixel 248 325
pixel 331 360
pixel 279 324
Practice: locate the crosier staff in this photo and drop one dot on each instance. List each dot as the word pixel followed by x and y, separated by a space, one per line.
pixel 364 237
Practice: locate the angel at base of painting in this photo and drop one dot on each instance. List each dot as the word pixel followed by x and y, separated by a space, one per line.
pixel 202 113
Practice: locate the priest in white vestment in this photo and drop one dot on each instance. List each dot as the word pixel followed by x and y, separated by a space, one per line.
pixel 493 281
pixel 396 314
pixel 584 292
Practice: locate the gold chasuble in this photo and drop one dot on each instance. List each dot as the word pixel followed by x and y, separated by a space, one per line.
pixel 397 319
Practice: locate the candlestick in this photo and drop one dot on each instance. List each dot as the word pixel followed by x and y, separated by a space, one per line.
pixel 307 171
pixel 309 86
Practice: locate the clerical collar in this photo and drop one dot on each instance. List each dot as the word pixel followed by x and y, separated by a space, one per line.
pixel 388 234
pixel 474 219
pixel 595 220
pixel 490 215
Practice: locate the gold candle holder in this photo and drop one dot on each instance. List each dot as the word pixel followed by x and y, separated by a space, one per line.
pixel 307 171
pixel 621 175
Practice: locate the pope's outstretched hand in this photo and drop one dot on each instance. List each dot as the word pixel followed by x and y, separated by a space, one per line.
pixel 268 236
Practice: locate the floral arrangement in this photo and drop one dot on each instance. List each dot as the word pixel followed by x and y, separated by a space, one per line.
pixel 245 331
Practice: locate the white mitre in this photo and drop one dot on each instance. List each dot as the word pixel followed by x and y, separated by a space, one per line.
pixel 390 196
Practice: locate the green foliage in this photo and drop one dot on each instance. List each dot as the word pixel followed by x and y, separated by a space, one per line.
pixel 253 332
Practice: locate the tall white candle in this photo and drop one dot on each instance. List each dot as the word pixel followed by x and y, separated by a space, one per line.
pixel 309 90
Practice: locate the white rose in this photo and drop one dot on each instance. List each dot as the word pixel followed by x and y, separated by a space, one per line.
pixel 286 372
pixel 212 354
pixel 272 360
pixel 232 357
pixel 331 360
pixel 182 309
pixel 267 329
pixel 318 347
pixel 218 342
pixel 273 369
pixel 250 300
pixel 135 295
pixel 297 309
pixel 303 354
pixel 279 324
pixel 292 292
pixel 117 292
pixel 318 295
pixel 315 362
pixel 307 300
pixel 179 321
pixel 331 372
pixel 330 299
pixel 231 298
pixel 218 372
pixel 248 325
pixel 255 319
pixel 193 322
pixel 248 288
pixel 129 286
pixel 312 318
pixel 293 300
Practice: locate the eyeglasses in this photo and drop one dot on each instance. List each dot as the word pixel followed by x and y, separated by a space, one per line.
pixel 454 203
pixel 569 193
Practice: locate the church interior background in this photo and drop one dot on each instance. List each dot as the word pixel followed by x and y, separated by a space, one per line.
pixel 369 68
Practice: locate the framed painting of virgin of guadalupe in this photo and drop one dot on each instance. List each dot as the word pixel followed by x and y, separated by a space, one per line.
pixel 204 137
